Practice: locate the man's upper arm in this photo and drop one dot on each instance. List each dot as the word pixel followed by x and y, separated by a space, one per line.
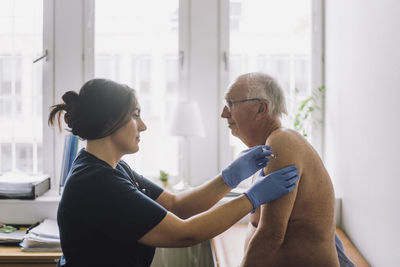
pixel 274 216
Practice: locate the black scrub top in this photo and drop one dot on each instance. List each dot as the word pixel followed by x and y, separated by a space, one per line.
pixel 104 211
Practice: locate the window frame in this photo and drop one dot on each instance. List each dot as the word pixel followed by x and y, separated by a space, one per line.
pixel 203 43
pixel 48 90
pixel 182 53
pixel 317 76
pixel 69 67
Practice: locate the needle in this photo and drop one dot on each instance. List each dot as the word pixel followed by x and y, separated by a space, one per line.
pixel 272 155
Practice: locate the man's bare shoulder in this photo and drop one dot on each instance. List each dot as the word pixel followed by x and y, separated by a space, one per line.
pixel 285 141
pixel 286 135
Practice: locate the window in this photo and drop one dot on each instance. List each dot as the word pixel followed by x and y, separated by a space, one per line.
pixel 164 49
pixel 137 44
pixel 21 41
pixel 272 37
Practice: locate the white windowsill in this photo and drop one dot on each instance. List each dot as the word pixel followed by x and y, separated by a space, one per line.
pixel 50 196
pixel 18 211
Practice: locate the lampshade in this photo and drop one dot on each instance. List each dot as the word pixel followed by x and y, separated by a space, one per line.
pixel 186 120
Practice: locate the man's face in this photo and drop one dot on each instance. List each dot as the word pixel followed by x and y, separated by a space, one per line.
pixel 240 116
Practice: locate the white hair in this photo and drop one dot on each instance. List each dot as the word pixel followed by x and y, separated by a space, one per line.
pixel 263 86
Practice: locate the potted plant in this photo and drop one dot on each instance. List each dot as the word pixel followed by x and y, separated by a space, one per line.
pixel 164 178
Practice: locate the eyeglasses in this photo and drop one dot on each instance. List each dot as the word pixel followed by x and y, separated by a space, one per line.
pixel 230 103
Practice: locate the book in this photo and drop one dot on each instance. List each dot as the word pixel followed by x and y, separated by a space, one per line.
pixel 17 185
pixel 69 155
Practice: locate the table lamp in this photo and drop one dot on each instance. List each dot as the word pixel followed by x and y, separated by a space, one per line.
pixel 186 122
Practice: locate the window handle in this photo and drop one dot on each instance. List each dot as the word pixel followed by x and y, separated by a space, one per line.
pixel 226 60
pixel 44 56
pixel 181 58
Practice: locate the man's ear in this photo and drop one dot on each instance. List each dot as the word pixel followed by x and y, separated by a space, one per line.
pixel 262 111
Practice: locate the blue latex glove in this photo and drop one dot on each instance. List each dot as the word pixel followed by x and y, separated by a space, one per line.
pixel 272 186
pixel 249 161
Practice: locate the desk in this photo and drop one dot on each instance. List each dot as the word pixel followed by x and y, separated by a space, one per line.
pixel 228 247
pixel 15 257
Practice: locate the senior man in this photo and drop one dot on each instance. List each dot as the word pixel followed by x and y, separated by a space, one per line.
pixel 297 229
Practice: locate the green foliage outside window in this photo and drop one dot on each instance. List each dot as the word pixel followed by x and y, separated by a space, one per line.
pixel 304 120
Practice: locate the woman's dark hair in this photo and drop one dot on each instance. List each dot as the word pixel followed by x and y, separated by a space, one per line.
pixel 101 108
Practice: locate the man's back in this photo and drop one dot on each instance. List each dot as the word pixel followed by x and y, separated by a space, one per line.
pixel 298 229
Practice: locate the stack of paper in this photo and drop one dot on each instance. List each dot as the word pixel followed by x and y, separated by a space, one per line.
pixel 21 185
pixel 44 237
pixel 13 237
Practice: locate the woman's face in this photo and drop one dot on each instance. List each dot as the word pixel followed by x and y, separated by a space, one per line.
pixel 127 137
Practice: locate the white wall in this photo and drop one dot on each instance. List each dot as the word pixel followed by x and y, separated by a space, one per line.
pixel 362 122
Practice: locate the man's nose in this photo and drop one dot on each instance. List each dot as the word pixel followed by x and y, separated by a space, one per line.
pixel 225 112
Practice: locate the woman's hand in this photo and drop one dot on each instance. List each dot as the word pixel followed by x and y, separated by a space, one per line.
pixel 273 186
pixel 249 161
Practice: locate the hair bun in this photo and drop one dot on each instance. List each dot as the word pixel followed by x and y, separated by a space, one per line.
pixel 70 97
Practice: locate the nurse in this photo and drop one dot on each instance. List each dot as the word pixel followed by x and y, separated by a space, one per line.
pixel 109 215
